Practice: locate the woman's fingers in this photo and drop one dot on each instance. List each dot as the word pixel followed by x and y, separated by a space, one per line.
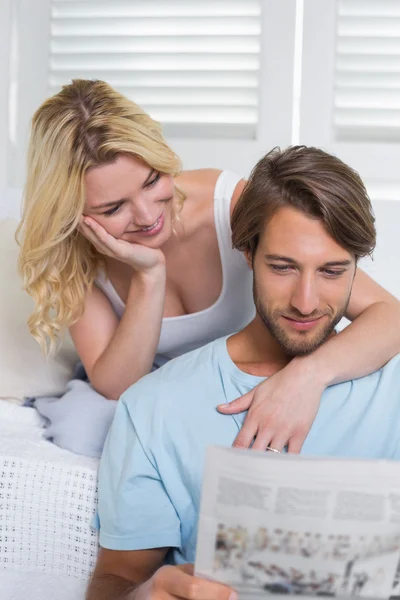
pixel 237 406
pixel 279 441
pixel 265 439
pixel 93 239
pixel 100 234
pixel 101 240
pixel 246 435
pixel 296 443
pixel 262 440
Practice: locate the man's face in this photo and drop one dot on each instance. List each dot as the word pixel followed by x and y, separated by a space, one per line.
pixel 302 281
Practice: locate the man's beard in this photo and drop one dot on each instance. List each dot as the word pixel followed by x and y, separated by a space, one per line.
pixel 301 343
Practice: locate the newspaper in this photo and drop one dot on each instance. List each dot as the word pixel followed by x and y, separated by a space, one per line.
pixel 287 524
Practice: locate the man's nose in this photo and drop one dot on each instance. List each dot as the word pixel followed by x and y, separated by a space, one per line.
pixel 305 295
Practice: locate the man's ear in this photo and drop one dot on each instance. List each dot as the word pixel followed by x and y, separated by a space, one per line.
pixel 249 258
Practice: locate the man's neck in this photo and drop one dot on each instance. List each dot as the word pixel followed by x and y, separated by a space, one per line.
pixel 254 351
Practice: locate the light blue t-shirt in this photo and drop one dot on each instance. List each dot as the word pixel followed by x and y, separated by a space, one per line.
pixel 151 469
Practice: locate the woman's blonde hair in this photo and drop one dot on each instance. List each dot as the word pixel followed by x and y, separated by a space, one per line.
pixel 86 124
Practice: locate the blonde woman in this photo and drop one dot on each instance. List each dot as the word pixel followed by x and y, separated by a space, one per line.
pixel 135 258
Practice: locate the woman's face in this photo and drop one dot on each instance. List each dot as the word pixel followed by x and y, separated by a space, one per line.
pixel 131 201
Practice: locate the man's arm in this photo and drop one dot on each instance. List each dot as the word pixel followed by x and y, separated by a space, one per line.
pixel 138 575
pixel 118 574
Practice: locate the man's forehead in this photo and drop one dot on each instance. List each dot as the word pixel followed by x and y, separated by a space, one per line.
pixel 294 234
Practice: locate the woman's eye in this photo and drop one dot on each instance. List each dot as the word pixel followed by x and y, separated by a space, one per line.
pixel 112 210
pixel 154 180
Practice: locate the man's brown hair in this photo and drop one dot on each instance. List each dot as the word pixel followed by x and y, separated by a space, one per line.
pixel 313 182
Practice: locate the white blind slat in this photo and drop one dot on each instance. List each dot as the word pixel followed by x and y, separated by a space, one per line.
pixel 203 114
pixel 368 45
pixel 205 26
pixel 158 62
pixel 163 79
pixel 367 71
pixel 186 63
pixel 151 8
pixel 371 99
pixel 113 45
pixel 369 8
pixel 369 26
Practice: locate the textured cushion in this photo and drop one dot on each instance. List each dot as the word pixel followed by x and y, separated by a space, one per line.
pixel 24 371
pixel 47 502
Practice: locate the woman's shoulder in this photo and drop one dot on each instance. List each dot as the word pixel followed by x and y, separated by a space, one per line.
pixel 198 183
pixel 199 186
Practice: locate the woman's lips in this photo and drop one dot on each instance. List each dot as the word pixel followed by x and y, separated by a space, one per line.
pixel 152 230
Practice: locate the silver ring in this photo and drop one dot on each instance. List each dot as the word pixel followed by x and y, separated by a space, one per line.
pixel 273 450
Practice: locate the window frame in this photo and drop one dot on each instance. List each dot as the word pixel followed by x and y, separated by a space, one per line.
pixel 375 161
pixel 31 26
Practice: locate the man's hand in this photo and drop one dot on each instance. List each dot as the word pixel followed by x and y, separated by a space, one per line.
pixel 170 583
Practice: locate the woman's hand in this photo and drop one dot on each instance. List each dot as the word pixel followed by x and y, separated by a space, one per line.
pixel 140 257
pixel 281 409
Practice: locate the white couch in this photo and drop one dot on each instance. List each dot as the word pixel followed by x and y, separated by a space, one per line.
pixel 47 495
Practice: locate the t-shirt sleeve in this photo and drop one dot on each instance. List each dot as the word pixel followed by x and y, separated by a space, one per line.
pixel 134 509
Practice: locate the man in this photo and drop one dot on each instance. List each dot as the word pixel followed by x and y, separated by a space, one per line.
pixel 303 221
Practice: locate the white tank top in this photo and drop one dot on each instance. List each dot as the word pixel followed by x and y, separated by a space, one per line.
pixel 234 308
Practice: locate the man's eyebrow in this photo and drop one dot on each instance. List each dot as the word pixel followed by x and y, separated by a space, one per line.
pixel 281 258
pixel 338 263
pixel 333 263
pixel 114 202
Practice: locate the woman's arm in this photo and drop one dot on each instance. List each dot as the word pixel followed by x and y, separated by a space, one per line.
pixel 116 353
pixel 283 408
pixel 369 342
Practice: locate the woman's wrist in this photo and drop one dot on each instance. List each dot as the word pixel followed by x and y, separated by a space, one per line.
pixel 149 281
pixel 315 367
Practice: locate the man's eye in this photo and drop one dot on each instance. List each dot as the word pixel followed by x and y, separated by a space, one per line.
pixel 333 272
pixel 154 180
pixel 112 210
pixel 280 268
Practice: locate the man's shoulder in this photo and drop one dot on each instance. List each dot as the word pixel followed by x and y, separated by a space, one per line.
pixel 389 373
pixel 379 389
pixel 175 381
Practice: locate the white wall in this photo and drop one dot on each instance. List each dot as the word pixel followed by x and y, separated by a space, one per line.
pixel 5 47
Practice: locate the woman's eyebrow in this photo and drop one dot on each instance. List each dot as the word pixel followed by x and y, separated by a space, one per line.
pixel 114 202
pixel 108 204
pixel 149 175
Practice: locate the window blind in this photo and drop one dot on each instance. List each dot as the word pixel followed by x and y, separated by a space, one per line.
pixel 367 71
pixel 193 65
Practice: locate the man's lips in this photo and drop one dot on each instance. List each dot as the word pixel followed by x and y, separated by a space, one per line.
pixel 302 325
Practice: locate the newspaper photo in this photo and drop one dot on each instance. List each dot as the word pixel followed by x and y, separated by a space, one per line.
pixel 288 524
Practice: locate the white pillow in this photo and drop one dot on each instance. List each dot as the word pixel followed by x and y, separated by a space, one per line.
pixel 24 370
